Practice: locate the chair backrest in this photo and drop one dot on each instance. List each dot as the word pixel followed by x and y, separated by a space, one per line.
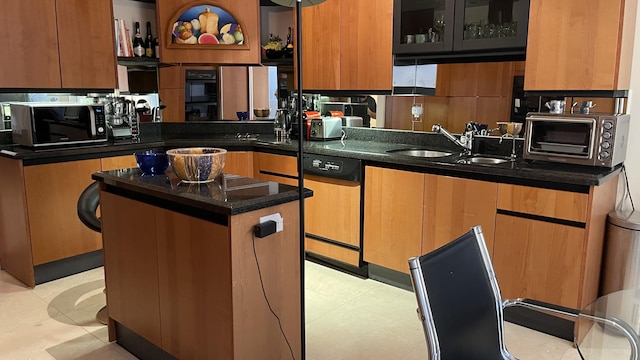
pixel 459 300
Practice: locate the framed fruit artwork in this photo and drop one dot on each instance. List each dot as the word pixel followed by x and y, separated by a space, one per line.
pixel 206 26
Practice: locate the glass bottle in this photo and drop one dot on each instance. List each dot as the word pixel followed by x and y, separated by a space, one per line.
pixel 138 43
pixel 148 43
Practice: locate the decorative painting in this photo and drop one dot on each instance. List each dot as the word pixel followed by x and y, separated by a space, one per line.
pixel 206 25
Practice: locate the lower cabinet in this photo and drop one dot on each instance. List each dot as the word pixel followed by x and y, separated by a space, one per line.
pixel 393 215
pixel 273 167
pixel 538 260
pixel 453 206
pixel 239 163
pixel 52 192
pixel 409 214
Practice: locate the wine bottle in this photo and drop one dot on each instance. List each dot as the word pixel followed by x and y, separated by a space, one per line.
pixel 289 43
pixel 156 48
pixel 148 43
pixel 138 43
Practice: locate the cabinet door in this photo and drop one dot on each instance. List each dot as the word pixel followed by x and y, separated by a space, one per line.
pixel 422 26
pixel 453 206
pixel 118 162
pixel 538 260
pixel 52 196
pixel 30 49
pixel 393 212
pixel 591 45
pixel 490 25
pixel 131 264
pixel 86 44
pixel 239 163
pixel 365 44
pixel 321 46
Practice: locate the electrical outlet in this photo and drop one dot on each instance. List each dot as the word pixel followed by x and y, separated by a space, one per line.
pixel 275 217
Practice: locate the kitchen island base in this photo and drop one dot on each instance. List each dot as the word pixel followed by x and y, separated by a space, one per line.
pixel 190 283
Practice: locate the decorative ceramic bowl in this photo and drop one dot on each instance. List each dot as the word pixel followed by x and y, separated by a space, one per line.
pixel 261 113
pixel 197 164
pixel 152 162
pixel 273 54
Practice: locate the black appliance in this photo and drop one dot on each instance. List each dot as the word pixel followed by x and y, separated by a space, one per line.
pixel 201 95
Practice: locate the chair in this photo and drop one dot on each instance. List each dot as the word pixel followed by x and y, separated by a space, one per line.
pixel 460 306
pixel 87 206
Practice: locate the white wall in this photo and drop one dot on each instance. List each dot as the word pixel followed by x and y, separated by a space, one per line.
pixel 632 162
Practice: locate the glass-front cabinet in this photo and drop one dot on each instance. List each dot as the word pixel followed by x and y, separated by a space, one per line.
pixel 460 26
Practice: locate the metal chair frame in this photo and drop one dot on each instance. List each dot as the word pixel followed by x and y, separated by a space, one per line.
pixel 424 310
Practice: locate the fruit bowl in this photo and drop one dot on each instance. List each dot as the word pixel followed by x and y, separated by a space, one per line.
pixel 152 162
pixel 196 165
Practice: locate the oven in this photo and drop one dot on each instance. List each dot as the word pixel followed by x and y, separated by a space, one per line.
pixel 201 95
pixel 333 216
pixel 582 139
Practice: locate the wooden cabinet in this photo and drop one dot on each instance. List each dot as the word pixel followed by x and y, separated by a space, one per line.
pixel 393 215
pixel 247 13
pixel 538 260
pixel 190 286
pixel 118 162
pixel 453 206
pixel 279 168
pixel 340 226
pixel 548 243
pixel 52 192
pixel 171 82
pixel 71 46
pixel 591 45
pixel 239 163
pixel 346 45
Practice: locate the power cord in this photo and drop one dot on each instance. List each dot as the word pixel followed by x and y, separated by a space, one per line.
pixel 627 190
pixel 253 243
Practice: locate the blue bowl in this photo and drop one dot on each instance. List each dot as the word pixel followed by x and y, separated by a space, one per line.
pixel 152 162
pixel 242 115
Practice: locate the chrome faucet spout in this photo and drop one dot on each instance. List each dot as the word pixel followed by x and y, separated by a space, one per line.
pixel 437 128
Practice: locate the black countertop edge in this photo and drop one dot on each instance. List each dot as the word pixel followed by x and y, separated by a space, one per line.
pixel 196 205
pixel 371 152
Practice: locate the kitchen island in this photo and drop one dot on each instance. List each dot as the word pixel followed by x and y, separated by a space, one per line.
pixel 185 275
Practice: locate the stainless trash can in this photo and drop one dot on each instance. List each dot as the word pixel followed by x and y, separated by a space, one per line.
pixel 621 258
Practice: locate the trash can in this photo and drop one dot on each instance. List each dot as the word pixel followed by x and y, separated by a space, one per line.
pixel 621 258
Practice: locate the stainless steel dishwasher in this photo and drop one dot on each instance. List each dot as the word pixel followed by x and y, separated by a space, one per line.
pixel 333 216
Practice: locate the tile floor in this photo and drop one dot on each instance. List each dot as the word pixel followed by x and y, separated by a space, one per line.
pixel 347 318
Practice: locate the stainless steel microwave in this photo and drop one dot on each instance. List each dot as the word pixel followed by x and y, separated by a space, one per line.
pixel 583 139
pixel 47 124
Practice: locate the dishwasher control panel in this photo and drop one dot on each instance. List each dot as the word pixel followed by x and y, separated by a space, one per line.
pixel 333 167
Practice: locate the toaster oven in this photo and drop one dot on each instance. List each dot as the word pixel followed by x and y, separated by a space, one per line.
pixel 583 139
pixel 48 124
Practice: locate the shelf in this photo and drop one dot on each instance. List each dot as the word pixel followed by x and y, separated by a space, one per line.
pixel 277 62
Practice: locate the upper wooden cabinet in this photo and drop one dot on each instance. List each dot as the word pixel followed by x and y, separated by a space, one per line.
pixel 247 13
pixel 578 46
pixel 71 46
pixel 346 45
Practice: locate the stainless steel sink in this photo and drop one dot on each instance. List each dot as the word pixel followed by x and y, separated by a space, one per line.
pixel 420 153
pixel 483 160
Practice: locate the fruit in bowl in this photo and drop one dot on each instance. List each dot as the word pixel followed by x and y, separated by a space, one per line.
pixel 201 164
pixel 152 162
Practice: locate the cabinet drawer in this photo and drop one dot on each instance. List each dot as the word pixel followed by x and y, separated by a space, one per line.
pixel 557 204
pixel 275 164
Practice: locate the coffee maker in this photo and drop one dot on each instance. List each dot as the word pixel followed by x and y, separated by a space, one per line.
pixel 122 118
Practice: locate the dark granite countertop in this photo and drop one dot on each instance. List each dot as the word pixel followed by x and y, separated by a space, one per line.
pixel 369 145
pixel 227 195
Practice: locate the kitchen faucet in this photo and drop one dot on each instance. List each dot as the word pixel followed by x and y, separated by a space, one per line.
pixel 468 136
